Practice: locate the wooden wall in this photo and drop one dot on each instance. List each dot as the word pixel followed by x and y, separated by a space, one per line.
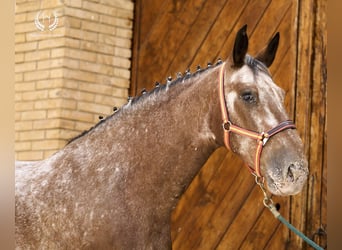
pixel 222 208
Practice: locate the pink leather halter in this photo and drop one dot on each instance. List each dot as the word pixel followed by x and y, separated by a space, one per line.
pixel 261 138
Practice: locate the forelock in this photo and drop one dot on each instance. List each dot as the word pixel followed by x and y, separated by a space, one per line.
pixel 256 65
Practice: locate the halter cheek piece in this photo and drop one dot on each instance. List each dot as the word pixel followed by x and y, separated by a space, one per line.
pixel 261 138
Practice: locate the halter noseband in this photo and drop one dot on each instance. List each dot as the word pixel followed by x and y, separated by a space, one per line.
pixel 261 138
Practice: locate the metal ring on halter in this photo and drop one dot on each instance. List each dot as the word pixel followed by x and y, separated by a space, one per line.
pixel 226 125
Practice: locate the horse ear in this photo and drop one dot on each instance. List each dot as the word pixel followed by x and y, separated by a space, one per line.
pixel 267 55
pixel 240 47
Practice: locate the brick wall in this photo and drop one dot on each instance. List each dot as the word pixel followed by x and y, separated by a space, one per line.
pixel 67 76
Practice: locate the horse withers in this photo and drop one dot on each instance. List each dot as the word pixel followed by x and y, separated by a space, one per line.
pixel 115 186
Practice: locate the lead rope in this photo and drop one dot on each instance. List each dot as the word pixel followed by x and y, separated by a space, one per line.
pixel 268 202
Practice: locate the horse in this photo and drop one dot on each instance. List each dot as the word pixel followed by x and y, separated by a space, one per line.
pixel 115 186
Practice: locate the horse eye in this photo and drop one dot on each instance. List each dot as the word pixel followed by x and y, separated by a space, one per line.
pixel 248 97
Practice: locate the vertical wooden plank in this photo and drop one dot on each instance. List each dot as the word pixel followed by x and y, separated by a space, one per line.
pixel 298 205
pixel 318 127
pixel 310 118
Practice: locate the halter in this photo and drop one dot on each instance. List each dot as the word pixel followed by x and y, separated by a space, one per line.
pixel 261 138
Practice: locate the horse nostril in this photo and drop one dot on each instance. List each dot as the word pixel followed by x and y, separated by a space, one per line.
pixel 290 175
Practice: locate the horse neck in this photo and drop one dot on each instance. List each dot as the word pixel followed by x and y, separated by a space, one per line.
pixel 161 141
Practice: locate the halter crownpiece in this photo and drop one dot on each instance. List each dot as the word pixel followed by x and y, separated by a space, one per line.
pixel 261 138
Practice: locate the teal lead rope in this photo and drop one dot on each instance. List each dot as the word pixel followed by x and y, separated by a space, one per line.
pixel 269 204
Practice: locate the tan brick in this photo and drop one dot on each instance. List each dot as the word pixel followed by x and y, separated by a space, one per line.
pixel 56 73
pixel 125 14
pixel 78 54
pixel 36 75
pixel 95 88
pixel 51 43
pixel 55 103
pixel 71 63
pixel 23 106
pixel 122 4
pixel 98 27
pixel 37 55
pixel 19 18
pixel 56 93
pixel 115 21
pixel 73 3
pixel 104 59
pixel 63 134
pixel 19 38
pixel 27 6
pixel 110 101
pixel 18 97
pixel 78 95
pixel 91 46
pixel 114 41
pixel 52 4
pixel 59 52
pixel 51 63
pixel 53 134
pixel 67 124
pixel 48 153
pixel 94 108
pixel 23 125
pixel 124 73
pixel 81 34
pixel 26 66
pixel 70 84
pixel 35 95
pixel 49 84
pixel 54 113
pixel 47 104
pixel 47 144
pixel 76 115
pixel 80 75
pixel 112 81
pixel 119 92
pixel 22 146
pixel 18 77
pixel 33 115
pixel 97 68
pixel 69 104
pixel 16 136
pixel 38 35
pixel 68 134
pixel 29 155
pixel 19 58
pixel 98 7
pixel 32 135
pixel 72 43
pixel 46 124
pixel 83 126
pixel 121 62
pixel 28 46
pixel 123 52
pixel 125 33
pixel 80 13
pixel 24 86
pixel 25 27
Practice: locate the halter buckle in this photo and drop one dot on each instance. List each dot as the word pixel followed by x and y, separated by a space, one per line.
pixel 264 138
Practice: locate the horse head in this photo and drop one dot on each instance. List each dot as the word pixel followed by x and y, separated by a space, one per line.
pixel 256 124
